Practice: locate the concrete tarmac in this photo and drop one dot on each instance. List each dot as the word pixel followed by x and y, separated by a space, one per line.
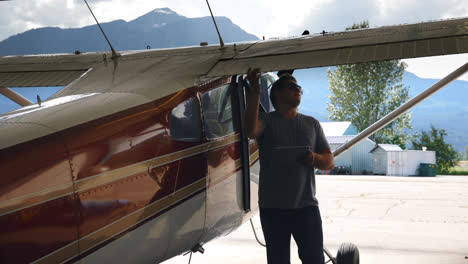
pixel 391 220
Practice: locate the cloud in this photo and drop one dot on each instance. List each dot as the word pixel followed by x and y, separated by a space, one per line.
pixel 412 11
pixel 270 18
pixel 19 16
pixel 336 15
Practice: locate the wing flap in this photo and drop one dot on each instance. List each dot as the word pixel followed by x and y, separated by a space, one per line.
pixel 46 70
pixel 39 78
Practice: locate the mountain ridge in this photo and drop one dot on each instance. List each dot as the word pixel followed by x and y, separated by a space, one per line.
pixel 159 28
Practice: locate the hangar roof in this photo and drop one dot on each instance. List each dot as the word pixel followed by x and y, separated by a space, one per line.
pixel 387 147
pixel 333 129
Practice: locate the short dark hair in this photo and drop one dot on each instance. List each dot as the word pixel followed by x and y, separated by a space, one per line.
pixel 278 85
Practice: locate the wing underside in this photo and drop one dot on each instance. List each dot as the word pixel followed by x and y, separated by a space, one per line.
pixel 384 43
pixel 364 45
pixel 357 46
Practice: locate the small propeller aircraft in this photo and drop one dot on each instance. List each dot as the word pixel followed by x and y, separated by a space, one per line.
pixel 142 156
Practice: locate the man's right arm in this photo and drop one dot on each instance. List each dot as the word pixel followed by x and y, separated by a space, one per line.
pixel 253 126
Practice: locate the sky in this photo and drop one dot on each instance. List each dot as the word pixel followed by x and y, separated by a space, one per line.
pixel 268 18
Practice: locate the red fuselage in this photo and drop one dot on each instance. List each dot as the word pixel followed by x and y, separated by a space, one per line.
pixel 67 195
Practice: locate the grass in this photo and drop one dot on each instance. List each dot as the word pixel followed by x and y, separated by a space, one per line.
pixel 460 169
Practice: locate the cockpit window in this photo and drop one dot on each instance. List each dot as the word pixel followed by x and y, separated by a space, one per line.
pixel 217 112
pixel 185 121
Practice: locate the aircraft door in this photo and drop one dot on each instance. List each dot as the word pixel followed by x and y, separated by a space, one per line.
pixel 252 167
pixel 240 101
pixel 224 201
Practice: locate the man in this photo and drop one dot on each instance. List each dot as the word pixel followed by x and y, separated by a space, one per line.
pixel 291 145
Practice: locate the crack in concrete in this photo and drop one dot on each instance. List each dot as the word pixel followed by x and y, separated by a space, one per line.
pixel 351 211
pixel 399 203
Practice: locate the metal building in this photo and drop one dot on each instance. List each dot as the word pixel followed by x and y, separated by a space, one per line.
pixel 392 160
pixel 358 157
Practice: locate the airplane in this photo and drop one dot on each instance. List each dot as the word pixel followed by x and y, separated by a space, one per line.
pixel 142 156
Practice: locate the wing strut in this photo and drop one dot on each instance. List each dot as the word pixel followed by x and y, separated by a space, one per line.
pixel 14 96
pixel 401 110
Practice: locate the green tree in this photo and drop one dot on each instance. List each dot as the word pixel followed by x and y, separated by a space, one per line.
pixel 466 153
pixel 446 156
pixel 365 92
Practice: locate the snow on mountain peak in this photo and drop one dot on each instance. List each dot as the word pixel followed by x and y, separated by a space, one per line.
pixel 166 11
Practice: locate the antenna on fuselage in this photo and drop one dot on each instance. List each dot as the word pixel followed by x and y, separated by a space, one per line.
pixel 114 54
pixel 221 42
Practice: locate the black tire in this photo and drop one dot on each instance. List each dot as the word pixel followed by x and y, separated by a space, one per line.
pixel 347 254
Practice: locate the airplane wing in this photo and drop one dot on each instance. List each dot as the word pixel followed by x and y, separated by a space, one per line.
pixel 349 47
pixel 156 73
pixel 99 85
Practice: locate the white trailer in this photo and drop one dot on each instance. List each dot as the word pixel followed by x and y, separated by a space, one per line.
pixel 396 162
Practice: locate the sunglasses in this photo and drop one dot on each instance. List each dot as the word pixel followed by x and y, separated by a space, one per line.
pixel 294 87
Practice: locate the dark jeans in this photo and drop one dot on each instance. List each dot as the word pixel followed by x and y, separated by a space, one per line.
pixel 304 224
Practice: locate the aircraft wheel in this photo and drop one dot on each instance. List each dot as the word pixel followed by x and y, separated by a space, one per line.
pixel 347 254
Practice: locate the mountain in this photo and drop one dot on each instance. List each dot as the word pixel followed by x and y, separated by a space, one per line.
pixel 160 28
pixel 163 28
